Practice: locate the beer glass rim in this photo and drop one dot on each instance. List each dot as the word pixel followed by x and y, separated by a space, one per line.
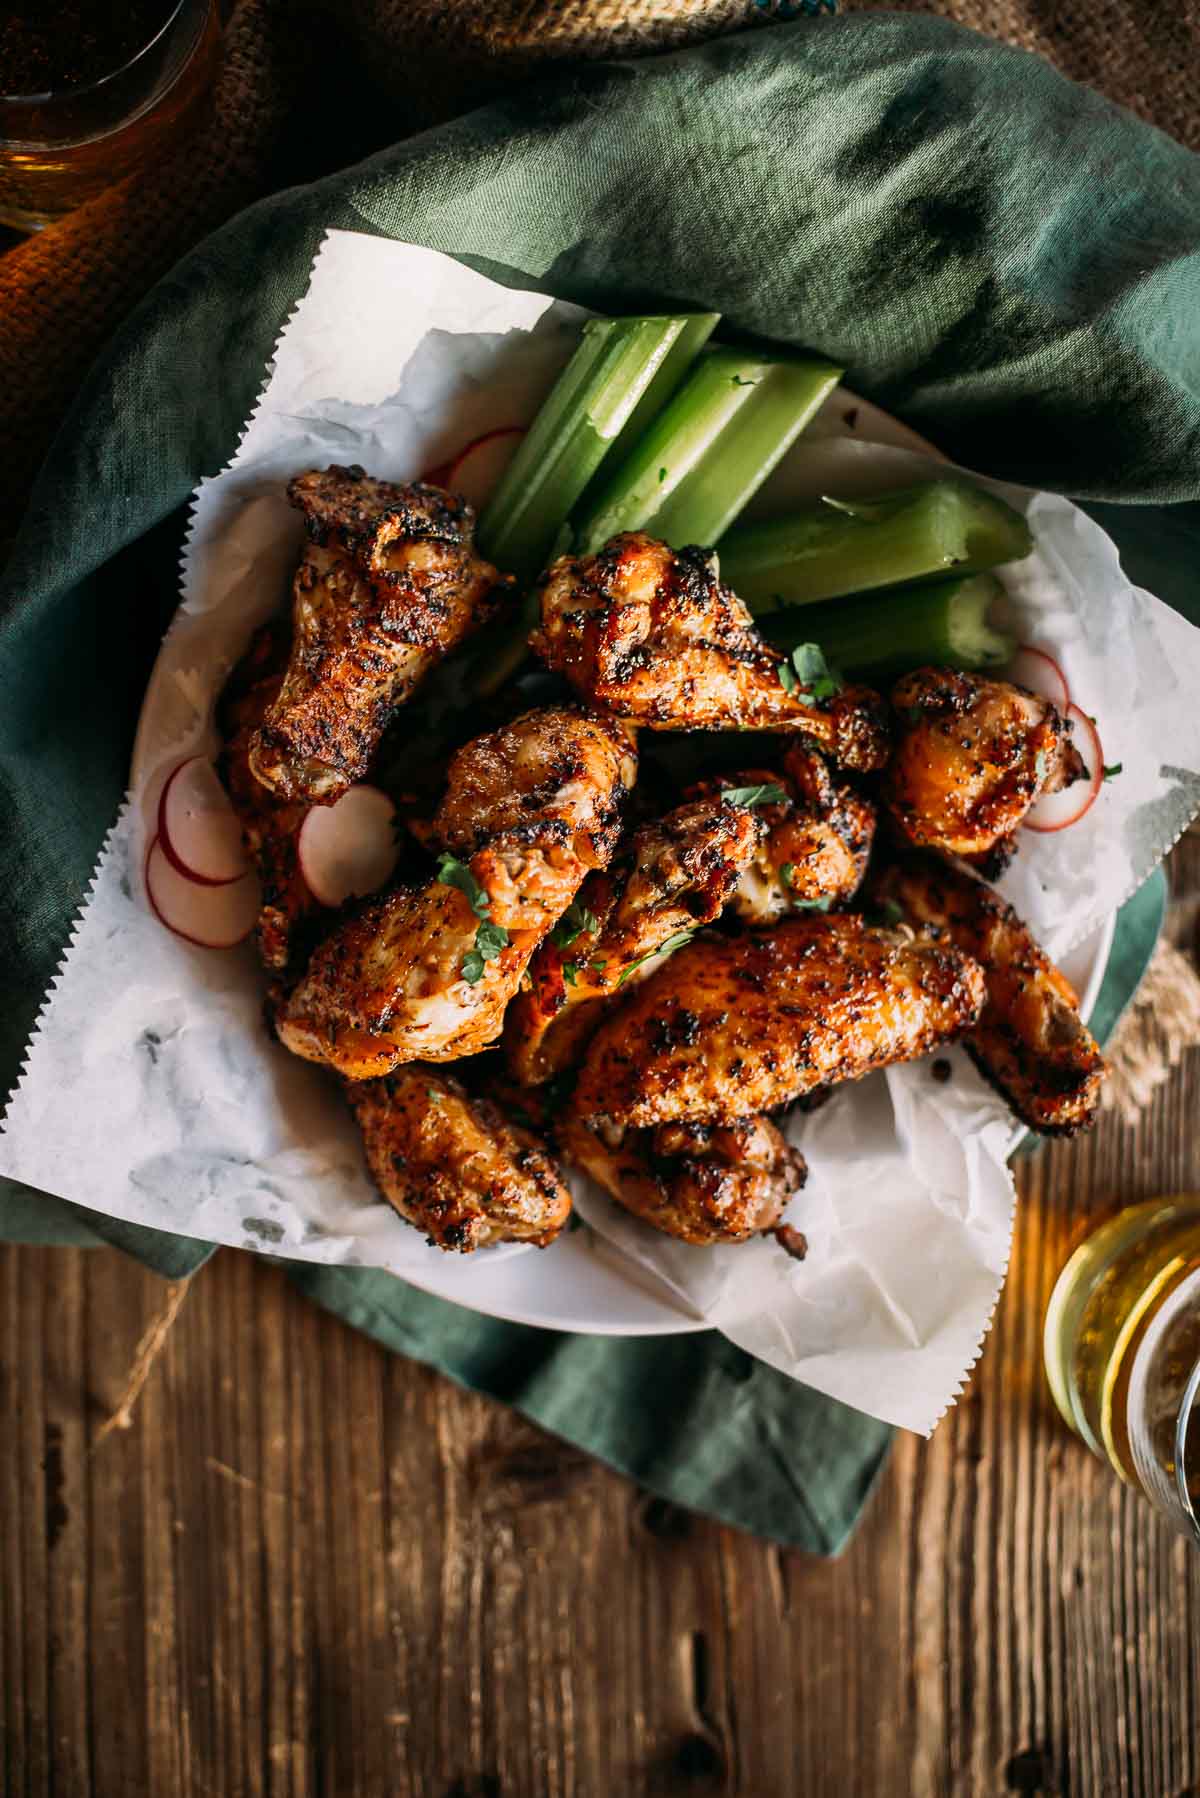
pixel 15 101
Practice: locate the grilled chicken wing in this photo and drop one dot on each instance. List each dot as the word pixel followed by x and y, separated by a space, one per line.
pixel 652 635
pixel 289 922
pixel 817 840
pixel 1030 1039
pixel 387 585
pixel 534 807
pixel 971 756
pixel 675 875
pixel 396 982
pixel 731 1027
pixel 454 1166
pixel 704 1183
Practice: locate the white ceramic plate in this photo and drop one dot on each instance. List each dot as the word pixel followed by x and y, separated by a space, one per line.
pixel 581 1283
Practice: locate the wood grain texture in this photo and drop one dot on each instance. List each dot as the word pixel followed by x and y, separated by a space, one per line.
pixel 311 1569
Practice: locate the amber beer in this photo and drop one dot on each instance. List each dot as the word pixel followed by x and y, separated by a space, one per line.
pixel 1122 1347
pixel 90 93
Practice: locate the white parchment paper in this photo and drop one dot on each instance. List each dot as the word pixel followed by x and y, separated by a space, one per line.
pixel 151 1091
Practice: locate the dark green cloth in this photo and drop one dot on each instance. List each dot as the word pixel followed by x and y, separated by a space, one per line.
pixel 1001 257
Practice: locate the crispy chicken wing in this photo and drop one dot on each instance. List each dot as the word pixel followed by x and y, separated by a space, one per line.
pixel 535 806
pixel 404 978
pixel 970 758
pixel 387 585
pixel 731 1027
pixel 454 1165
pixel 652 635
pixel 704 1183
pixel 817 840
pixel 674 875
pixel 1030 1039
pixel 289 922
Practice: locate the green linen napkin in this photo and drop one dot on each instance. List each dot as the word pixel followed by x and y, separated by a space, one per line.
pixel 1003 258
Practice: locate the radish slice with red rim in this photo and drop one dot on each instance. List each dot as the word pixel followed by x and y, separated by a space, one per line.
pixel 1054 811
pixel 198 828
pixel 476 471
pixel 349 848
pixel 1038 670
pixel 212 917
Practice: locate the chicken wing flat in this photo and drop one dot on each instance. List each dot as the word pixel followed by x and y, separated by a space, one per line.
pixel 970 758
pixel 387 585
pixel 675 875
pixel 454 1166
pixel 816 844
pixel 651 634
pixel 289 922
pixel 734 1026
pixel 1030 1039
pixel 425 972
pixel 704 1183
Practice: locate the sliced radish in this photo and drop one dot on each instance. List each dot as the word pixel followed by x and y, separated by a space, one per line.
pixel 349 848
pixel 1054 811
pixel 214 917
pixel 475 472
pixel 1035 669
pixel 198 827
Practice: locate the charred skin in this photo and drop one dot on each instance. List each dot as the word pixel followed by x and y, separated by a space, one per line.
pixel 702 1183
pixel 730 1027
pixel 675 874
pixel 291 919
pixel 651 635
pixel 1030 1040
pixel 816 844
pixel 971 756
pixel 387 585
pixel 388 986
pixel 454 1166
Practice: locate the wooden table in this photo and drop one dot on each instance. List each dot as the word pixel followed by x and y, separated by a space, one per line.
pixel 310 1568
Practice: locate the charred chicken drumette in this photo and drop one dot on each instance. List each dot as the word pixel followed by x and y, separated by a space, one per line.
pixel 816 843
pixel 735 1026
pixel 971 756
pixel 704 1183
pixel 674 875
pixel 651 634
pixel 1029 1039
pixel 425 972
pixel 454 1166
pixel 388 583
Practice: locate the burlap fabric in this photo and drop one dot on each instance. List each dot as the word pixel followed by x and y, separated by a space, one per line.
pixel 308 86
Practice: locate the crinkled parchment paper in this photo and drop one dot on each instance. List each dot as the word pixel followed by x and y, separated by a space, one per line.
pixel 151 1091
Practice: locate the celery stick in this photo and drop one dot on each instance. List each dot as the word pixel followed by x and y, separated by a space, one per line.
pixel 675 365
pixel 876 636
pixel 710 449
pixel 845 546
pixel 615 365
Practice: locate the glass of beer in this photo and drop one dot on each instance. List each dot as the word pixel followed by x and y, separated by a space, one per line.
pixel 92 92
pixel 1122 1349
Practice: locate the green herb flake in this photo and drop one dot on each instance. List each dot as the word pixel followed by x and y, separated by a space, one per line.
pixel 668 948
pixel 766 793
pixel 574 921
pixel 490 940
pixel 570 972
pixel 662 475
pixel 787 679
pixel 739 381
pixel 813 672
pixel 787 873
pixel 431 1092
pixel 814 904
pixel 454 873
pixel 1112 769
pixel 472 967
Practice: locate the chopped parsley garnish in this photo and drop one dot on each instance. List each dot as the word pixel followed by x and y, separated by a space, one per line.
pixel 662 475
pixel 738 381
pixel 668 948
pixel 431 1092
pixel 766 793
pixel 813 904
pixel 490 939
pixel 888 911
pixel 570 972
pixel 787 872
pixel 809 671
pixel 574 921
pixel 1112 769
